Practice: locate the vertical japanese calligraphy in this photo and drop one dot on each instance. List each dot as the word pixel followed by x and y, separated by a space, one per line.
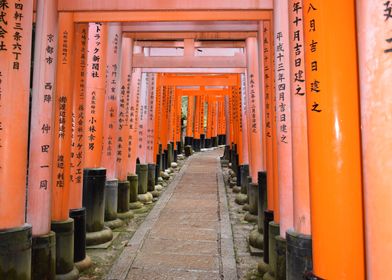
pixel 95 94
pixel 75 196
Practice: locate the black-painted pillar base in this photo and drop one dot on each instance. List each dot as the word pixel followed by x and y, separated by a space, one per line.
pixel 188 140
pixel 179 147
pixel 81 260
pixel 214 141
pixel 151 177
pixel 15 253
pixel 244 178
pixel 268 217
pixel 65 268
pixel 202 141
pixel 262 199
pixel 208 143
pixel 164 159
pixel 281 258
pixel 94 180
pixel 43 260
pixel 299 255
pixel 196 145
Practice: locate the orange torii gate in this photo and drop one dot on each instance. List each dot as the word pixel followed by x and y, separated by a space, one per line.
pixel 330 178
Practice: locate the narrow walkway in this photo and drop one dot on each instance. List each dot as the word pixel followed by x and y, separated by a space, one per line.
pixel 188 234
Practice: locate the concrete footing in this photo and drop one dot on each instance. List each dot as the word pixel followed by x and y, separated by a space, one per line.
pixel 145 198
pixel 65 268
pixel 256 239
pixel 43 260
pixel 99 237
pixel 113 224
pixel 84 264
pixel 241 199
pixel 15 253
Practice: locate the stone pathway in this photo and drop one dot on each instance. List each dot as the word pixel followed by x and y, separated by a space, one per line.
pixel 187 235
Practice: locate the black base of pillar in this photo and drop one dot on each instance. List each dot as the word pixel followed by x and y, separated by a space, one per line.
pixel 221 139
pixel 281 258
pixel 175 154
pixel 142 174
pixel 79 217
pixel 188 140
pixel 133 187
pixel 226 153
pixel 214 142
pixel 179 147
pixel 299 255
pixel 208 143
pixel 196 145
pixel 94 180
pixel 170 148
pixel 253 194
pixel 274 230
pixel 157 170
pixel 244 178
pixel 165 159
pixel 262 198
pixel 188 151
pixel 111 200
pixel 202 141
pixel 65 268
pixel 239 167
pixel 15 253
pixel 151 177
pixel 43 260
pixel 268 217
pixel 123 197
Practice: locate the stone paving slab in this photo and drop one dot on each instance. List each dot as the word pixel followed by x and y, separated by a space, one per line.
pixel 188 235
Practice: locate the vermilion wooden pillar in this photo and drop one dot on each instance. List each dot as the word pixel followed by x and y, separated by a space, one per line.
pixel 40 160
pixel 143 121
pixel 299 120
pixel 158 116
pixel 63 120
pixel 374 25
pixel 164 119
pixel 283 109
pixel 14 89
pixel 334 139
pixel 177 142
pixel 265 29
pixel 151 117
pixel 124 114
pixel 189 118
pixel 15 52
pixel 78 98
pixel 254 110
pixel 196 123
pixel 113 68
pixel 134 113
pixel 95 94
pixel 244 122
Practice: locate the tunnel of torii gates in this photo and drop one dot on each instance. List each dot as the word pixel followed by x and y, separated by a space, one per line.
pixel 91 96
